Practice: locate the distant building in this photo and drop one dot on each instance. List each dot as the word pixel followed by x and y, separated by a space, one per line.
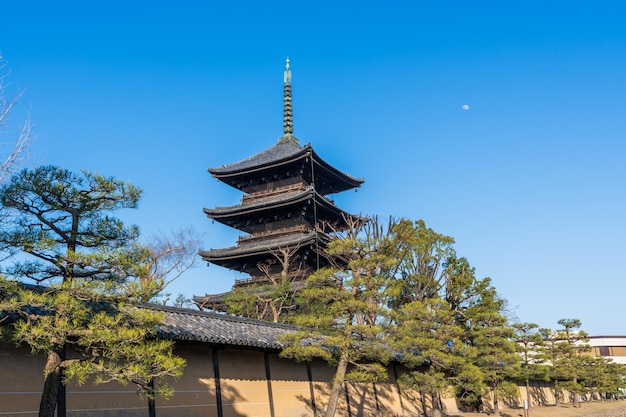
pixel 613 347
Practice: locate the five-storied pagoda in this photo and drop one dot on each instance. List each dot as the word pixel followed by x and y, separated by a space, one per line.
pixel 284 212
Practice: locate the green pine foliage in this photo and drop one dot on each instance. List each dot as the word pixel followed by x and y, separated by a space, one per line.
pixel 423 257
pixel 600 377
pixel 488 331
pixel 91 277
pixel 432 348
pixel 529 343
pixel 342 312
pixel 267 301
pixel 404 292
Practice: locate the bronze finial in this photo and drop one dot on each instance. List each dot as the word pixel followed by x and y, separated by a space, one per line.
pixel 288 112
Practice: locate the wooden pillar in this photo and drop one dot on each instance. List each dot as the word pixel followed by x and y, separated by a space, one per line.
pixel 376 398
pixel 395 377
pixel 347 394
pixel 311 387
pixel 151 404
pixel 268 377
pixel 218 389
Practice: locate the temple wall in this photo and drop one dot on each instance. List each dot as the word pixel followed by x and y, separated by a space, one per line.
pixel 195 391
pixel 249 383
pixel 106 400
pixel 21 382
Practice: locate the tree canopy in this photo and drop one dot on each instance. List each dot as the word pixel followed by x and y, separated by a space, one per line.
pixel 88 269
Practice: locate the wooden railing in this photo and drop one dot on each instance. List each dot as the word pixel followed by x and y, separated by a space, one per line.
pixel 277 232
pixel 276 191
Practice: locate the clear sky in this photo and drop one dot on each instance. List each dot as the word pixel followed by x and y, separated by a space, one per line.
pixel 529 179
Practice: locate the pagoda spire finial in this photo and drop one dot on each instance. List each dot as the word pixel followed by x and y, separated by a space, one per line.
pixel 288 112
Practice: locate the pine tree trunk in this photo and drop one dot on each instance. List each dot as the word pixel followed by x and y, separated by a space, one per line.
pixel 52 384
pixel 496 405
pixel 528 392
pixel 424 403
pixel 340 375
pixel 436 403
pixel 557 397
pixel 576 399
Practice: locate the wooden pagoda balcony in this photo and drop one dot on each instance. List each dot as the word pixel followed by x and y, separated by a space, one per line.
pixel 274 192
pixel 273 233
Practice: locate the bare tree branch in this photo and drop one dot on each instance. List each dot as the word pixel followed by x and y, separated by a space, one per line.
pixel 18 147
pixel 173 254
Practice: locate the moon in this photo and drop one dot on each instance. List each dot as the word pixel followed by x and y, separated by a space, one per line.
pixel 465 107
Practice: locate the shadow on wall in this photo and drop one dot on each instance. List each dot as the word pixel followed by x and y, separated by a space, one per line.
pixel 356 400
pixel 202 402
pixel 538 394
pixel 231 398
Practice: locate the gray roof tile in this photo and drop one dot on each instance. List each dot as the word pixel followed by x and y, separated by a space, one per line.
pixel 278 152
pixel 261 245
pixel 205 327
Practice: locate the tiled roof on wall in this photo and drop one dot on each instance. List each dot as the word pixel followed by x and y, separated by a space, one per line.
pixel 211 328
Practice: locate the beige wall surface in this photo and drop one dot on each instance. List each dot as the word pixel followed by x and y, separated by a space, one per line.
pixel 194 393
pixel 21 385
pixel 21 382
pixel 243 383
pixel 291 389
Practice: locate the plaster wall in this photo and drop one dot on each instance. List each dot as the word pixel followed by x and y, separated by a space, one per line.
pixel 245 383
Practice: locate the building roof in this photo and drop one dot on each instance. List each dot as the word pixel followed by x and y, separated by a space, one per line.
pixel 246 215
pixel 200 326
pixel 249 253
pixel 211 301
pixel 328 179
pixel 281 152
pixel 259 247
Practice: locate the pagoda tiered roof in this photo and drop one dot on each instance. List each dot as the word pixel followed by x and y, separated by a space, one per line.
pixel 216 302
pixel 251 212
pixel 286 159
pixel 255 250
pixel 284 211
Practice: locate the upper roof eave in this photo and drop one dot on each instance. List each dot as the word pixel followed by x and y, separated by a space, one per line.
pixel 280 154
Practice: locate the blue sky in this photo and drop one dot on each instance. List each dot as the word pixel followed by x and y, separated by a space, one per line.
pixel 529 180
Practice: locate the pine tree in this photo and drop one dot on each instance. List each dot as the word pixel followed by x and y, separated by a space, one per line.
pixel 573 345
pixel 271 299
pixel 342 311
pixel 88 268
pixel 528 342
pixel 431 346
pixel 492 338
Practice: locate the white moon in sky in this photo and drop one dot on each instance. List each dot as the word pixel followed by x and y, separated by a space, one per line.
pixel 465 107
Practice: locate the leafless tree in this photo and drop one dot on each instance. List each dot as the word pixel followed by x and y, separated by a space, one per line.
pixel 280 297
pixel 15 140
pixel 171 255
pixel 270 295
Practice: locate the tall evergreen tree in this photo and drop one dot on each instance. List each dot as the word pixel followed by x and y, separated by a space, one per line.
pixel 342 311
pixel 492 337
pixel 423 256
pixel 528 342
pixel 573 345
pixel 88 269
pixel 600 377
pixel 563 349
pixel 431 346
pixel 551 353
